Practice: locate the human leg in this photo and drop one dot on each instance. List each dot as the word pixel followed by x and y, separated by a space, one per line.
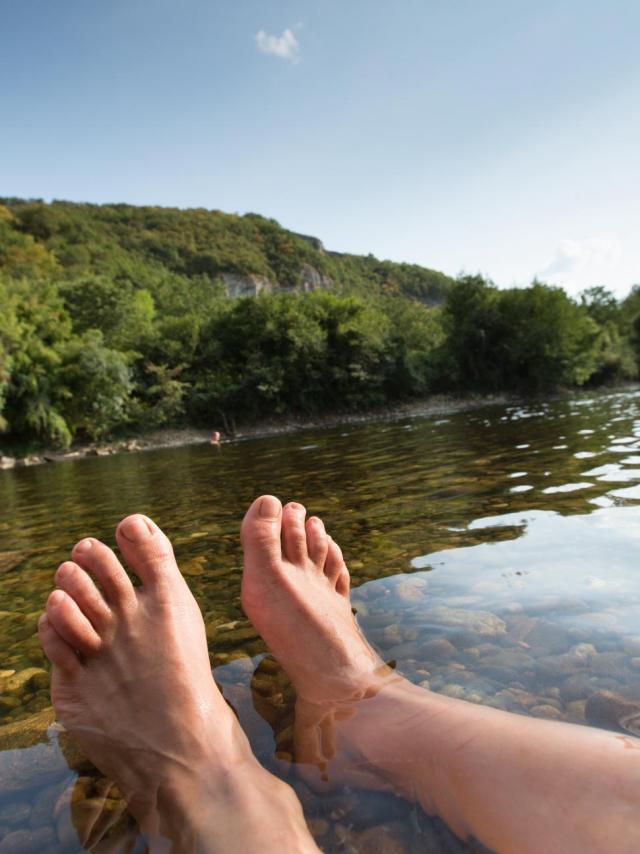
pixel 517 784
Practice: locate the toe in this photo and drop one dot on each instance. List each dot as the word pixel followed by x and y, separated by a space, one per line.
pixel 334 565
pixel 317 541
pixel 147 551
pixel 57 650
pixel 74 580
pixel 100 561
pixel 71 624
pixel 260 533
pixel 343 583
pixel 294 534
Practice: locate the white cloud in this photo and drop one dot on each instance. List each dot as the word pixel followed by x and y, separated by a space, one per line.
pixel 579 264
pixel 285 46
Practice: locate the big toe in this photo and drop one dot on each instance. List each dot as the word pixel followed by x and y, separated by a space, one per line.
pixel 260 532
pixel 147 550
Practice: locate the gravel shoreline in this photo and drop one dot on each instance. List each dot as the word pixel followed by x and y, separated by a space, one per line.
pixel 178 437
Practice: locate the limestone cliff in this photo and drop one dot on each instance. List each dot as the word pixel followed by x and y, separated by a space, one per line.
pixel 250 285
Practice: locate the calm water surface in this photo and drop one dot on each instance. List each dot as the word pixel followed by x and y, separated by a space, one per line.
pixel 493 553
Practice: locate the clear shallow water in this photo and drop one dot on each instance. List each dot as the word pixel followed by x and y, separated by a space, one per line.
pixel 493 552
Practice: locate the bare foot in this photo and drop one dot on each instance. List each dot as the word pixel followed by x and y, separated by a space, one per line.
pixel 132 682
pixel 295 590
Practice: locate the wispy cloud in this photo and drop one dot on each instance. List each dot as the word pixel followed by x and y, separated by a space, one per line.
pixel 285 46
pixel 577 264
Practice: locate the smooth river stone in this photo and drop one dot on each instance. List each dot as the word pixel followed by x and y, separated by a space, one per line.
pixel 392 634
pixel 609 664
pixel 44 803
pixel 547 638
pixel 32 766
pixel 507 660
pixel 554 666
pixel 544 710
pixel 17 842
pixel 15 813
pixel 408 591
pixel 613 711
pixel 479 622
pixel 438 649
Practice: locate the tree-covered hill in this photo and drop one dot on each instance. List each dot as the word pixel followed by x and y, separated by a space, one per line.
pixel 116 318
pixel 143 243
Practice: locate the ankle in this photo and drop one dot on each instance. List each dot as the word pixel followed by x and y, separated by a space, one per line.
pixel 238 806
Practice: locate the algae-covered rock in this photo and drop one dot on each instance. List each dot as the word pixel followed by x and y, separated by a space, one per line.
pixel 9 560
pixel 28 731
pixel 32 678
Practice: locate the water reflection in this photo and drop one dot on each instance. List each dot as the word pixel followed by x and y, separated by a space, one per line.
pixel 493 552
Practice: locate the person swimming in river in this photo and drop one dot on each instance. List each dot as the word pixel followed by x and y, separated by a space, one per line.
pixel 215 439
pixel 158 725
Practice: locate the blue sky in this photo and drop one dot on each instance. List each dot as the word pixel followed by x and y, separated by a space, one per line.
pixel 495 136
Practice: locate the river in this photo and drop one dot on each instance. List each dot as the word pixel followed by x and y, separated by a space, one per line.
pixel 494 558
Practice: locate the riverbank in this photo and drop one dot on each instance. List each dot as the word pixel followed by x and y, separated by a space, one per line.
pixel 177 437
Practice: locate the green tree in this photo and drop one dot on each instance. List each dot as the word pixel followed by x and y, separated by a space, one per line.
pixel 95 383
pixel 40 331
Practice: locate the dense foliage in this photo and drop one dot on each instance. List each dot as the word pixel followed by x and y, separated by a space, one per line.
pixel 115 318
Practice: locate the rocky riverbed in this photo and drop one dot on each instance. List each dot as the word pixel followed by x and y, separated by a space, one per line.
pixel 52 799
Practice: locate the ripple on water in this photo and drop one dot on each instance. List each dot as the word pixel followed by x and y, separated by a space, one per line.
pixel 567 487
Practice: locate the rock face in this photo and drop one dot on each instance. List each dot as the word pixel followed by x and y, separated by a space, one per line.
pixel 245 286
pixel 251 285
pixel 312 279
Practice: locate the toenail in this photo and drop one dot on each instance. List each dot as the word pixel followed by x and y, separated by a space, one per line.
pixel 293 505
pixel 317 522
pixel 270 507
pixel 65 569
pixel 43 623
pixel 56 598
pixel 83 546
pixel 136 528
